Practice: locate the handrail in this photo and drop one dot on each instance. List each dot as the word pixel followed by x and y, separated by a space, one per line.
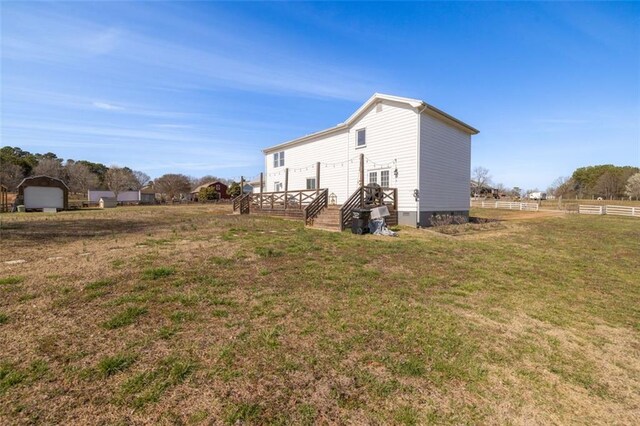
pixel 388 196
pixel 242 202
pixel 353 202
pixel 316 206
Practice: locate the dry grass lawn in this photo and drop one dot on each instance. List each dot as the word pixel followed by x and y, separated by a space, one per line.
pixel 191 315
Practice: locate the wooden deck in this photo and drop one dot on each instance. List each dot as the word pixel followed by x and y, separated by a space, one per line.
pixel 311 206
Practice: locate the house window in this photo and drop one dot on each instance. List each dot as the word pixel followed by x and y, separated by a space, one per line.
pixel 218 187
pixel 311 183
pixel 361 138
pixel 373 177
pixel 277 186
pixel 278 159
pixel 384 178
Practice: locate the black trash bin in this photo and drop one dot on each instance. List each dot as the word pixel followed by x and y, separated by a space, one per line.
pixel 360 221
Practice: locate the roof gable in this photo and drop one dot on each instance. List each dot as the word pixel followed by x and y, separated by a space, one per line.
pixel 419 105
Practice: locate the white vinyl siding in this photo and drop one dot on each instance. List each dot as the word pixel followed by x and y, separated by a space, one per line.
pixel 391 142
pixel 445 162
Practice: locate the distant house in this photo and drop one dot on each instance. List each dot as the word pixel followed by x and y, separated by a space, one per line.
pixel 484 191
pixel 147 195
pixel 43 192
pixel 222 191
pixel 255 186
pixel 124 197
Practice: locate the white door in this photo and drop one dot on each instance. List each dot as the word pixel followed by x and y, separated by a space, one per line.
pixel 39 197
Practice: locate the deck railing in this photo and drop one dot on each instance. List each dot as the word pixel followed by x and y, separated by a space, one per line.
pixel 242 203
pixel 316 206
pixel 369 196
pixel 286 200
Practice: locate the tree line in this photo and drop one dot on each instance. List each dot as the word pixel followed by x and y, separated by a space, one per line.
pixel 604 181
pixel 82 175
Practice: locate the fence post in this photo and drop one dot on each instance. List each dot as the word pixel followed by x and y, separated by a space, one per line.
pixel 286 187
pixel 261 185
pixel 317 177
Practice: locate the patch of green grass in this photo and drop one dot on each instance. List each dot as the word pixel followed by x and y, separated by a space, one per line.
pixel 307 414
pixel 38 369
pixel 157 273
pixel 242 413
pixel 167 333
pixel 406 415
pixel 9 377
pixel 412 366
pixel 222 261
pixel 127 317
pixel 268 252
pixel 11 280
pixel 147 387
pixel 4 318
pixel 198 417
pixel 220 313
pixel 114 364
pixel 182 316
pixel 95 285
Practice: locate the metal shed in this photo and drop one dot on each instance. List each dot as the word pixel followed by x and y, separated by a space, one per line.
pixel 42 192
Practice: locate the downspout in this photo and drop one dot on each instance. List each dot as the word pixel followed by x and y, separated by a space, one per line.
pixel 418 166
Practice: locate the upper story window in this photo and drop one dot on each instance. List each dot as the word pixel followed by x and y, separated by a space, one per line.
pixel 361 138
pixel 278 159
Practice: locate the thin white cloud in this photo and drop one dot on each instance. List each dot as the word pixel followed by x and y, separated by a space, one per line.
pixel 102 42
pixel 561 121
pixel 258 67
pixel 107 106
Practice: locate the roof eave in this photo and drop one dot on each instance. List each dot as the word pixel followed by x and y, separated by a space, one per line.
pixel 458 123
pixel 308 137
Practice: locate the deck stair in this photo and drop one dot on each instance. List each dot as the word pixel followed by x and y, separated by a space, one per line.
pixel 328 219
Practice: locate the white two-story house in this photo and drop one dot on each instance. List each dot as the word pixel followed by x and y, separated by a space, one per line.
pixel 406 143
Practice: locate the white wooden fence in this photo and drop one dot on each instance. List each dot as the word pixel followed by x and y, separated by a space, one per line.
pixel 611 210
pixel 590 209
pixel 623 210
pixel 533 207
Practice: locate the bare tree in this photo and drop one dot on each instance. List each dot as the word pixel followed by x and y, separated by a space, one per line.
pixel 141 178
pixel 608 185
pixel 11 175
pixel 79 177
pixel 119 179
pixel 173 185
pixel 481 176
pixel 48 167
pixel 632 188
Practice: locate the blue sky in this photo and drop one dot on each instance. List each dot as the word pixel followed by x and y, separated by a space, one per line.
pixel 199 88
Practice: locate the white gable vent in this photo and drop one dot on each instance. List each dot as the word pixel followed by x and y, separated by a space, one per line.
pixel 379 107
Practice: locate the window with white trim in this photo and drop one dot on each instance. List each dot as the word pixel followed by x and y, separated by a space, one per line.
pixel 361 138
pixel 277 186
pixel 373 177
pixel 278 159
pixel 384 178
pixel 311 183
